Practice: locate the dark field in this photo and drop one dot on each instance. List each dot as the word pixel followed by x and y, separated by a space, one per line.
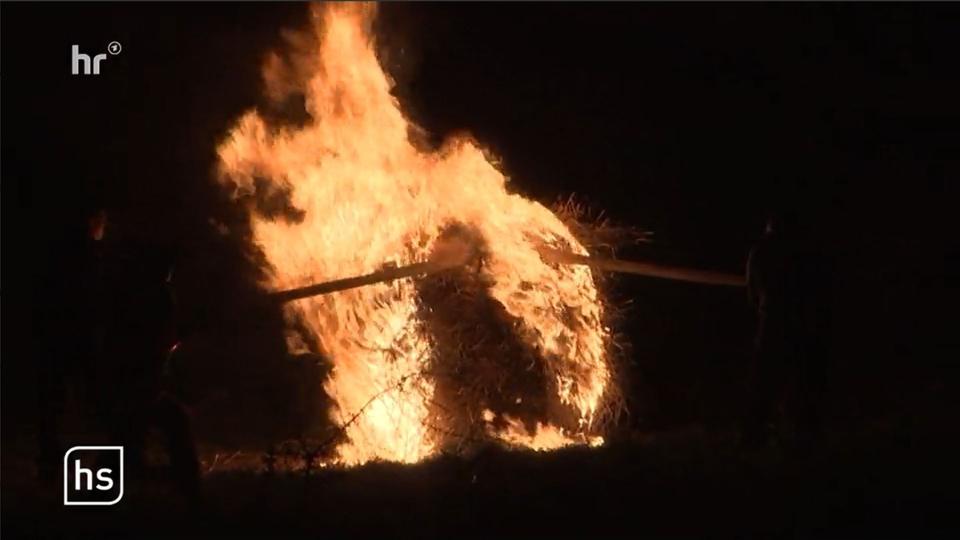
pixel 883 478
pixel 687 121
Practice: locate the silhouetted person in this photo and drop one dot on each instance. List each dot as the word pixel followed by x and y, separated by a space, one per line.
pixel 72 327
pixel 133 399
pixel 774 291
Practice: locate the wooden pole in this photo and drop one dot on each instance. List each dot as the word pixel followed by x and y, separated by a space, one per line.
pixel 677 273
pixel 387 274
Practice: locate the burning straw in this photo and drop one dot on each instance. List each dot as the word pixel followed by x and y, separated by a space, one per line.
pixel 508 346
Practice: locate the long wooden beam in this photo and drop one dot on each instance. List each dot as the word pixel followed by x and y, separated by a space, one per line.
pixel 387 274
pixel 649 269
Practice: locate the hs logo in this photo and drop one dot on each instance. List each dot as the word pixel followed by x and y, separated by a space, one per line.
pixel 93 476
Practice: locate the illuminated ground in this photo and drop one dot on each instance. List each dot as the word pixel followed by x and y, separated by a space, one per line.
pixel 878 480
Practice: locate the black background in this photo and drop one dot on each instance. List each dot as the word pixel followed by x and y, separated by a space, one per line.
pixel 682 119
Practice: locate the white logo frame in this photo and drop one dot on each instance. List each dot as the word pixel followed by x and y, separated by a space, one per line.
pixel 66 477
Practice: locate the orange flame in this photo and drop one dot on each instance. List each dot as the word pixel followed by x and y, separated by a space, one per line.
pixel 370 197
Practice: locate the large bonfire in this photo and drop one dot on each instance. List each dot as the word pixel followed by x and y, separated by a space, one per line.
pixel 508 347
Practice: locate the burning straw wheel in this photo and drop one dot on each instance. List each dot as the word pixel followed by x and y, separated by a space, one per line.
pixel 511 347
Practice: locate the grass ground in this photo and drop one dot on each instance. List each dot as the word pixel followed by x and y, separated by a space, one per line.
pixel 886 477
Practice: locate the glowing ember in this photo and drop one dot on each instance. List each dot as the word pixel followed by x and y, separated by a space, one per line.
pixel 367 196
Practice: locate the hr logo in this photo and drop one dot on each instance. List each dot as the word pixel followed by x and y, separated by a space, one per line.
pixel 78 57
pixel 96 473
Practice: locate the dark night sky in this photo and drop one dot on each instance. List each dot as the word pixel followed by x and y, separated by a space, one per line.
pixel 687 120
